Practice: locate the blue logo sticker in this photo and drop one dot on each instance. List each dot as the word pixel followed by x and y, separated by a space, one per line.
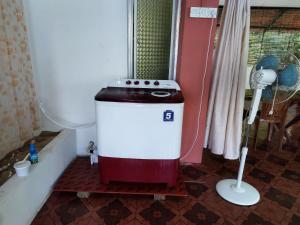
pixel 168 116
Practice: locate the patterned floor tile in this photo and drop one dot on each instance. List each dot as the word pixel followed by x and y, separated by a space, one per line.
pixel 254 219
pixel 288 155
pixel 43 220
pixel 289 149
pixel 98 200
pixel 178 205
pixel 195 189
pixel 226 172
pixel 198 214
pixel 252 160
pixel 180 222
pixel 270 167
pixel 257 183
pixel 277 160
pixel 58 198
pixel 261 175
pixel 89 219
pixel 278 196
pixel 70 211
pixel 295 220
pixel 226 222
pixel 293 165
pixel 297 158
pixel 283 184
pixel 193 172
pixel 114 212
pixel 227 210
pixel 270 211
pixel 296 206
pixel 44 210
pixel 291 175
pixel 157 214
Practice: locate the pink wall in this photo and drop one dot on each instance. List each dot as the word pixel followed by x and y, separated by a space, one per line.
pixel 192 55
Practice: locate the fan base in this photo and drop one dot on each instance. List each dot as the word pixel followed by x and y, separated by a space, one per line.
pixel 245 195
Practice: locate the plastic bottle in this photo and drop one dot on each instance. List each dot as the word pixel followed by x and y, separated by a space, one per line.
pixel 33 153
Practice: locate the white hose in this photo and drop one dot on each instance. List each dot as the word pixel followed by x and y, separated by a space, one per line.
pixel 64 123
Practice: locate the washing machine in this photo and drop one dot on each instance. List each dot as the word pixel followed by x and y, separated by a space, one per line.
pixel 139 125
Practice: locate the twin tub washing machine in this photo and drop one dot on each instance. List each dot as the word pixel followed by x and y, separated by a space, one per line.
pixel 139 125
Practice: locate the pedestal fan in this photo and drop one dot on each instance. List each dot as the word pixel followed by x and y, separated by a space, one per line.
pixel 277 75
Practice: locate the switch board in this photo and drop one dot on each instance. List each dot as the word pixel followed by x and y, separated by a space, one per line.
pixel 203 12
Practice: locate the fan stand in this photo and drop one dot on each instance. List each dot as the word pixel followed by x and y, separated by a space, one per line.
pixel 235 190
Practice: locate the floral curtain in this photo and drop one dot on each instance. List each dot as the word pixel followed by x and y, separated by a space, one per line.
pixel 19 118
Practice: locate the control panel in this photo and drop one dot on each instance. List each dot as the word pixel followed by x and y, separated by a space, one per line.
pixel 153 84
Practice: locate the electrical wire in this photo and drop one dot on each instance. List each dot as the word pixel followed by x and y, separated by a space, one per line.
pixel 244 127
pixel 202 94
pixel 274 98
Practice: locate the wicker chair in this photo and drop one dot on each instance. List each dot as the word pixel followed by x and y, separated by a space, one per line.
pixel 275 121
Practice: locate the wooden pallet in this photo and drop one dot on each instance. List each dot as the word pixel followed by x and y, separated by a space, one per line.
pixel 83 178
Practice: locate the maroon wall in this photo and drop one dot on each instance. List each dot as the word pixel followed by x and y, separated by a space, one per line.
pixel 193 47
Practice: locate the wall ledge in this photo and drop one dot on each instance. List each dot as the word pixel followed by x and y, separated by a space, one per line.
pixel 22 198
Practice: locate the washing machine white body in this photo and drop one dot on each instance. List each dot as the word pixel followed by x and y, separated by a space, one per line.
pixel 139 122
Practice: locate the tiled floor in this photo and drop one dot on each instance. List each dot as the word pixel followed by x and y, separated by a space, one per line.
pixel 275 174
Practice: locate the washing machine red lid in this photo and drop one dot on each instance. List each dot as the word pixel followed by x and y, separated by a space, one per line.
pixel 139 95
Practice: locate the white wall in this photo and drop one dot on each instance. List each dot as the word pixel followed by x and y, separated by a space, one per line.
pixel 22 198
pixel 77 47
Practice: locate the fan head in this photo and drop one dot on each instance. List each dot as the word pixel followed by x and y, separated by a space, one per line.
pixel 261 78
pixel 287 82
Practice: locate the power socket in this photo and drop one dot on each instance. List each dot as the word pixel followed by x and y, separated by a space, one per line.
pixel 203 12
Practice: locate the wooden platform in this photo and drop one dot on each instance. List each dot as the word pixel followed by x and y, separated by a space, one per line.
pixel 80 176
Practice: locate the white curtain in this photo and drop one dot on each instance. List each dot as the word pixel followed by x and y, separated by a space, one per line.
pixel 225 110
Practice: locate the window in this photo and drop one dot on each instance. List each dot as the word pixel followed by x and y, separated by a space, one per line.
pixel 153 38
pixel 272 31
pixel 272 42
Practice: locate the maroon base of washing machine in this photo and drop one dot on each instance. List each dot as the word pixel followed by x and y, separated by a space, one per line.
pixel 138 170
